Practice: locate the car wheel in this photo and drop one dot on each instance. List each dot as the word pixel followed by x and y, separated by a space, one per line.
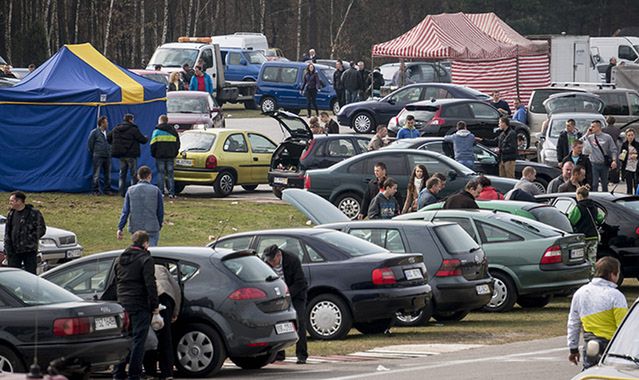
pixel 530 302
pixel 250 105
pixel 249 188
pixel 363 123
pixel 504 294
pixel 255 362
pixel 277 191
pixel 375 327
pixel 268 104
pixel 541 183
pixel 224 184
pixel 350 204
pixel 450 316
pixel 199 351
pixel 179 187
pixel 417 318
pixel 335 106
pixel 328 317
pixel 9 361
pixel 525 139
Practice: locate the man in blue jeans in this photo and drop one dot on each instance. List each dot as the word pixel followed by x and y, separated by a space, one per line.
pixel 137 293
pixel 165 145
pixel 125 140
pixel 602 151
pixel 143 208
pixel 100 151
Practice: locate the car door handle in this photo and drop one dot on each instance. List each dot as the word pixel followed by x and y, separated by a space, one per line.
pixel 255 159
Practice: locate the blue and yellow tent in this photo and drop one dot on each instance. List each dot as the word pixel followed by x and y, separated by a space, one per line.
pixel 45 119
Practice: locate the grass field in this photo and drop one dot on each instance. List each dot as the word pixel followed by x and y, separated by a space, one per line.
pixel 237 111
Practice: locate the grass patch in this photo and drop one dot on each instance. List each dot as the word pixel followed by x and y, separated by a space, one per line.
pixel 237 111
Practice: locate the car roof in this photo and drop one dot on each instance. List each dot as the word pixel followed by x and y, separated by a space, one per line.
pixel 182 252
pixel 218 131
pixel 183 45
pixel 508 204
pixel 287 231
pixel 293 63
pixel 598 195
pixel 336 136
pixel 384 223
pixel 187 94
pixel 392 64
pixel 569 115
pixel 438 102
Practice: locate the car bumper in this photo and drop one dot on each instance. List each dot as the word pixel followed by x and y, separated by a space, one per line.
pixel 370 305
pixel 195 176
pixel 286 179
pixel 556 281
pixel 253 338
pixel 450 297
pixel 344 119
pixel 57 256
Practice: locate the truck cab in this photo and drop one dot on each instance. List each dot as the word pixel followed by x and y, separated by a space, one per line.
pixel 625 49
pixel 242 64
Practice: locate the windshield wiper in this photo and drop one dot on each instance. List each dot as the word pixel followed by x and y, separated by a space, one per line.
pixel 272 278
pixel 624 356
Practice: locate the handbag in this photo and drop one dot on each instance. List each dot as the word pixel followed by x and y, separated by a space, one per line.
pixel 607 159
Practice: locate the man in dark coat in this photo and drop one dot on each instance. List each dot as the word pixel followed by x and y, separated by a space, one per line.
pixel 364 74
pixel 353 83
pixel 125 140
pixel 165 145
pixel 137 292
pixel 577 157
pixel 330 125
pixel 566 138
pixel 100 151
pixel 612 63
pixel 337 83
pixel 23 230
pixel 289 267
pixel 507 144
pixel 374 187
pixel 465 199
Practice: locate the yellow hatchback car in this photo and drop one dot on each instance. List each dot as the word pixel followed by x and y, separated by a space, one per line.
pixel 223 158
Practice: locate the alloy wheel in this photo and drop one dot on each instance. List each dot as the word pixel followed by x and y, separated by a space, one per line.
pixel 226 183
pixel 5 365
pixel 362 123
pixel 409 317
pixel 350 207
pixel 268 105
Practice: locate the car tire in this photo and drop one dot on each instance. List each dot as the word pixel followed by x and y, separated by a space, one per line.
pixel 10 362
pixel 418 318
pixel 329 317
pixel 526 136
pixel 268 104
pixel 199 351
pixel 363 122
pixel 277 191
pixel 450 316
pixel 250 105
pixel 255 362
pixel 179 187
pixel 534 302
pixel 335 106
pixel 350 204
pixel 504 294
pixel 375 327
pixel 224 184
pixel 541 183
pixel 249 188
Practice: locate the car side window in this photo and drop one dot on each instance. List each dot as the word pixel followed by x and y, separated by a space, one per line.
pixel 390 239
pixel 234 58
pixel 464 223
pixel 395 165
pixel 433 165
pixel 313 255
pixel 461 111
pixel 288 74
pixel 616 103
pixel 428 73
pixel 235 244
pixel 235 143
pixel 626 52
pixel 409 95
pixel 358 167
pixel 207 56
pixel 564 205
pixel 484 111
pixel 285 243
pixel 87 278
pixel 436 146
pixel 484 156
pixel 260 144
pixel 634 103
pixel 187 271
pixel 363 144
pixel 270 74
pixel 340 148
pixel 494 234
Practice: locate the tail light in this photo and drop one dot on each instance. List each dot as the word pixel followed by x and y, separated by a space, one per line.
pixel 211 162
pixel 437 120
pixel 71 326
pixel 552 255
pixel 383 276
pixel 449 268
pixel 126 322
pixel 637 231
pixel 244 294
pixel 307 182
pixel 308 149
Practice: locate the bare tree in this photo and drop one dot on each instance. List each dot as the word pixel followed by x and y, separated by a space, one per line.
pixel 76 22
pixel 165 27
pixel 339 30
pixel 134 54
pixel 189 14
pixel 47 29
pixel 299 29
pixel 142 32
pixel 7 33
pixel 108 29
pixel 263 15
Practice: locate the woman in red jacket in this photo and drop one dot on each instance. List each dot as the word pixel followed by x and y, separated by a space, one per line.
pixel 488 192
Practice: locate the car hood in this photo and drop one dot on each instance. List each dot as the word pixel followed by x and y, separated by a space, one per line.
pixel 294 125
pixel 188 118
pixel 316 208
pixel 573 102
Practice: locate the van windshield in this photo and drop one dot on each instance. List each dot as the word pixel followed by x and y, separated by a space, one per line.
pixel 173 57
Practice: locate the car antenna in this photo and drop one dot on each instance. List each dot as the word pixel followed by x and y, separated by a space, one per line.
pixel 223 223
pixel 612 192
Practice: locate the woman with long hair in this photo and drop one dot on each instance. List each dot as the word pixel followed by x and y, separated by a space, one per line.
pixel 175 82
pixel 628 158
pixel 416 183
pixel 310 86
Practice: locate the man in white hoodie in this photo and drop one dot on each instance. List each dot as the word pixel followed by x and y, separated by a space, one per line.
pixel 463 142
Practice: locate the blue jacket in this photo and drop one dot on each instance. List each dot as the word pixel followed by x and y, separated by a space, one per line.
pixel 144 208
pixel 406 133
pixel 208 83
pixel 99 146
pixel 521 115
pixel 426 198
pixel 463 143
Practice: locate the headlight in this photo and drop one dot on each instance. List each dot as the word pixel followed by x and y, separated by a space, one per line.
pixel 200 126
pixel 48 243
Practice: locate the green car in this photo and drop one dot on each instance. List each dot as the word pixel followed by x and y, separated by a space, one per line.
pixel 540 212
pixel 530 261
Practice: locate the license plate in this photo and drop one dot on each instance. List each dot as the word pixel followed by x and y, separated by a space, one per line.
pixel 105 323
pixel 181 162
pixel 74 253
pixel 413 274
pixel 482 289
pixel 280 180
pixel 577 253
pixel 285 327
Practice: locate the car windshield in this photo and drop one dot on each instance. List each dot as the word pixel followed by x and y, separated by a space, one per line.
pixel 33 290
pixel 455 239
pixel 552 217
pixel 632 204
pixel 537 102
pixel 559 124
pixel 328 73
pixel 249 269
pixel 389 71
pixel 173 57
pixel 256 57
pixel 350 244
pixel 196 141
pixel 624 345
pixel 422 115
pixel 183 104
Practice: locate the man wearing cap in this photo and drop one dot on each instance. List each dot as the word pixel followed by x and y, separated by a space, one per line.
pixel 289 268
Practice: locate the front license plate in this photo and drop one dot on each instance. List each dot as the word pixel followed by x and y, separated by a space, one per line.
pixel 285 327
pixel 577 253
pixel 74 253
pixel 181 162
pixel 280 180
pixel 413 274
pixel 105 323
pixel 482 289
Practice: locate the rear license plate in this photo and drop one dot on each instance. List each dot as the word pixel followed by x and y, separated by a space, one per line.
pixel 74 253
pixel 280 180
pixel 413 274
pixel 181 162
pixel 105 323
pixel 577 253
pixel 285 327
pixel 482 289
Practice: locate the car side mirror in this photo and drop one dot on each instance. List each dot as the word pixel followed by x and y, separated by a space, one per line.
pixel 452 175
pixel 391 101
pixel 243 62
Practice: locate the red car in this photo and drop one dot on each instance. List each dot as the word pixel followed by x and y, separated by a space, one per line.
pixel 193 110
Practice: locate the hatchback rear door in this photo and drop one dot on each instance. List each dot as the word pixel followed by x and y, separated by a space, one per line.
pixel 574 102
pixel 293 124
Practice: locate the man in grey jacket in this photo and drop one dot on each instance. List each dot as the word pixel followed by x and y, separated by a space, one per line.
pixel 143 208
pixel 100 151
pixel 603 154
pixel 527 181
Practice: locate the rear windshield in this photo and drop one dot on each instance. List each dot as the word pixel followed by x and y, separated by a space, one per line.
pixel 350 244
pixel 455 239
pixel 538 98
pixel 184 104
pixel 552 217
pixel 196 141
pixel 421 115
pixel 559 125
pixel 33 290
pixel 249 269
pixel 630 203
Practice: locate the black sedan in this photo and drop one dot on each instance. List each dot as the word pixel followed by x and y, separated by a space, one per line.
pixel 344 184
pixel 365 116
pixel 94 333
pixel 352 283
pixel 486 161
pixel 233 304
pixel 620 230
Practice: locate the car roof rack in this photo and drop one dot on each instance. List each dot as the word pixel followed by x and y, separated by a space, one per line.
pixel 599 86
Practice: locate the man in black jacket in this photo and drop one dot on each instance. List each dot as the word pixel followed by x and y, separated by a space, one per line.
pixel 373 188
pixel 577 157
pixel 137 293
pixel 125 140
pixel 566 138
pixel 465 199
pixel 289 267
pixel 353 83
pixel 337 83
pixel 165 145
pixel 23 230
pixel 100 151
pixel 506 143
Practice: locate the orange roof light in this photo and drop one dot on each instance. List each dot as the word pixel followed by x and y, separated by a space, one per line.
pixel 204 40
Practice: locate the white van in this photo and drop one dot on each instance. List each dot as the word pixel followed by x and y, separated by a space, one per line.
pixel 625 49
pixel 242 40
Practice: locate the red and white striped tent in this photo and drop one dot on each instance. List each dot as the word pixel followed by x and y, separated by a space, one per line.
pixel 486 53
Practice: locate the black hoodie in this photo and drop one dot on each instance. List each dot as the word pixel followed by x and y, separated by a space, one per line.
pixel 135 280
pixel 125 140
pixel 165 142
